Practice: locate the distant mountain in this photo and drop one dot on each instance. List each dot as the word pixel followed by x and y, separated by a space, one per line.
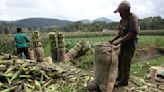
pixel 103 19
pixel 45 22
pixel 40 22
pixel 86 21
pixel 1 22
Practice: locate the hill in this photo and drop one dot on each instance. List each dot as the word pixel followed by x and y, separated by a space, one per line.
pixel 86 21
pixel 103 19
pixel 47 22
pixel 40 22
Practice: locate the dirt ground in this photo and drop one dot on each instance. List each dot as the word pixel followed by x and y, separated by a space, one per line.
pixel 146 53
pixel 143 54
pixel 154 87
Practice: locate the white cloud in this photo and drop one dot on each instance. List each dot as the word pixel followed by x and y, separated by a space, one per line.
pixel 144 9
pixel 2 8
pixel 75 9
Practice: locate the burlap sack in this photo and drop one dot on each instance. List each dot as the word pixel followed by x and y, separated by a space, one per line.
pixel 113 71
pixel 49 60
pixel 61 54
pixel 54 53
pixel 105 66
pixel 60 40
pixel 39 53
pixel 31 53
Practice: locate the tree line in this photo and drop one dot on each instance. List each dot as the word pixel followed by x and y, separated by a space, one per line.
pixel 150 23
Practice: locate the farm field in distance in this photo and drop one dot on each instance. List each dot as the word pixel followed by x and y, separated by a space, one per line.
pixel 144 41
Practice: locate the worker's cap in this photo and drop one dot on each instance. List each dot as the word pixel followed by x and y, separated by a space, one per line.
pixel 123 5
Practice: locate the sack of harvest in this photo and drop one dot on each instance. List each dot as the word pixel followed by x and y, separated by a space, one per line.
pixel 61 54
pixel 113 71
pixel 106 66
pixel 54 53
pixel 52 37
pixel 31 53
pixel 39 53
pixel 60 40
pixel 61 49
pixel 53 44
pixel 36 36
pixel 49 60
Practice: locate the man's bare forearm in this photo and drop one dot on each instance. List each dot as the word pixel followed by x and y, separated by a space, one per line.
pixel 130 35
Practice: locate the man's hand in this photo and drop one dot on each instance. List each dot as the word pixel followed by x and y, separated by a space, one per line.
pixel 116 43
pixel 110 41
pixel 30 44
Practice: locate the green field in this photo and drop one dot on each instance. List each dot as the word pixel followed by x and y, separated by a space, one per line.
pixel 142 68
pixel 143 42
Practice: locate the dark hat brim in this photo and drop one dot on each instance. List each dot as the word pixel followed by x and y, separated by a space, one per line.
pixel 116 11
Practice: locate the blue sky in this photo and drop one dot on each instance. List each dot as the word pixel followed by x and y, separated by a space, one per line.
pixel 75 9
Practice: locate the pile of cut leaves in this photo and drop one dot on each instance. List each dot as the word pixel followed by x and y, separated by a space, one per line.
pixel 31 76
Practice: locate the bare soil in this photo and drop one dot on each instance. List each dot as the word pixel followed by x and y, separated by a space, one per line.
pixel 146 53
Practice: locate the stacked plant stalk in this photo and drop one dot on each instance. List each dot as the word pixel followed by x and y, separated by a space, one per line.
pixel 143 85
pixel 53 39
pixel 80 49
pixel 57 46
pixel 38 49
pixel 27 76
pixel 61 49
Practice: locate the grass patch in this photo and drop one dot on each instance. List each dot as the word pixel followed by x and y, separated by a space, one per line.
pixel 151 41
pixel 144 41
pixel 140 69
pixel 85 62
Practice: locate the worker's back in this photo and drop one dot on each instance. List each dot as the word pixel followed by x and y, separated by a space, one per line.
pixel 21 40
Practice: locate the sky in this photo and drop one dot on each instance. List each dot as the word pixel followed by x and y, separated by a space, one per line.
pixel 75 10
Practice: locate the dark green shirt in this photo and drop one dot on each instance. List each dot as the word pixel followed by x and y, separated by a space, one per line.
pixel 21 40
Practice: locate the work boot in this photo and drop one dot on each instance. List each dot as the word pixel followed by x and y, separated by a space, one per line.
pixel 92 87
pixel 117 79
pixel 121 83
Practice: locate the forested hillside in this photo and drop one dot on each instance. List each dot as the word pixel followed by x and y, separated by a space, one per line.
pixel 150 23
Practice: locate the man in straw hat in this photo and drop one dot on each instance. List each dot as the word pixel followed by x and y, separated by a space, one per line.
pixel 128 31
